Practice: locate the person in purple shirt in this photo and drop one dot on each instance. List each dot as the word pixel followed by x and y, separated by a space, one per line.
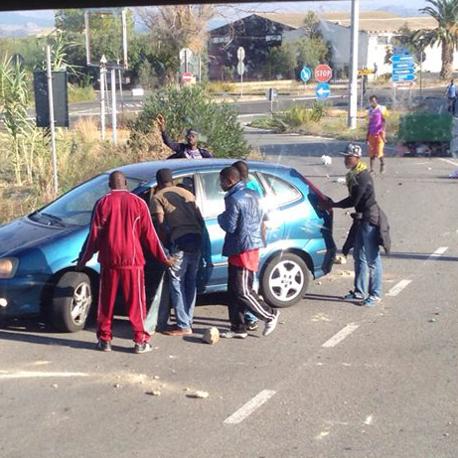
pixel 188 150
pixel 376 133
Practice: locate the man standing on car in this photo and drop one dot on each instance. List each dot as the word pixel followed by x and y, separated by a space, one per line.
pixel 365 231
pixel 188 150
pixel 121 225
pixel 242 222
pixel 179 219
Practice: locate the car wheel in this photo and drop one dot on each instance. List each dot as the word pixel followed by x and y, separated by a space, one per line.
pixel 285 280
pixel 71 302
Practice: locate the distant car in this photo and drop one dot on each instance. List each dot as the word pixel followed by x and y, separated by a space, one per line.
pixel 38 252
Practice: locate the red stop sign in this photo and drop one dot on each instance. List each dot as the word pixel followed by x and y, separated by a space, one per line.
pixel 186 77
pixel 323 73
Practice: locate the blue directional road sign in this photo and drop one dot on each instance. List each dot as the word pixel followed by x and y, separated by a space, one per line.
pixel 306 74
pixel 323 91
pixel 403 68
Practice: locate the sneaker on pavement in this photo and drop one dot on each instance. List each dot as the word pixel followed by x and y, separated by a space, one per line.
pixel 271 325
pixel 234 335
pixel 103 345
pixel 371 301
pixel 252 326
pixel 142 348
pixel 352 296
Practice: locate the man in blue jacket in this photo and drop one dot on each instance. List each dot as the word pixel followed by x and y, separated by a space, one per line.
pixel 242 222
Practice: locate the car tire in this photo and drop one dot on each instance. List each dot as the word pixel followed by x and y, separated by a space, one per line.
pixel 71 302
pixel 285 280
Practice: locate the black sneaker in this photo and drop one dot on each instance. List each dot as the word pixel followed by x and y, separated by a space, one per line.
pixel 252 326
pixel 103 345
pixel 142 348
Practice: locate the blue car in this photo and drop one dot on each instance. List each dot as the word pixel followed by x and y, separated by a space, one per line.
pixel 38 252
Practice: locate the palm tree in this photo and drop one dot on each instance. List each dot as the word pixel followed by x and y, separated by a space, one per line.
pixel 445 12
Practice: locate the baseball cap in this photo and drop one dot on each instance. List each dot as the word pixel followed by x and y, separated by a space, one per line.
pixel 192 132
pixel 352 150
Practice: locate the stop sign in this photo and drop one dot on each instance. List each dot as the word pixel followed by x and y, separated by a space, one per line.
pixel 323 73
pixel 186 77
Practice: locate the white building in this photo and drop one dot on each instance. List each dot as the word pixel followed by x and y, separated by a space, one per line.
pixel 377 30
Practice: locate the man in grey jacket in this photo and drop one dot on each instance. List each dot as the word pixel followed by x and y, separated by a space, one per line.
pixel 242 222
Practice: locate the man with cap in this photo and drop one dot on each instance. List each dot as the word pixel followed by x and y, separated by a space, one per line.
pixel 188 150
pixel 365 230
pixel 181 222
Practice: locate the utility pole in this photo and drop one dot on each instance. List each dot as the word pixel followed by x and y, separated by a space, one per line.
pixel 353 87
pixel 51 120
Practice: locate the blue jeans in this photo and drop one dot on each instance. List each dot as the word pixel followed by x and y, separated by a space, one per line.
pixel 183 286
pixel 368 264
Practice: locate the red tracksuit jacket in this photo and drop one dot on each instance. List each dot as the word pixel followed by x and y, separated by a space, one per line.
pixel 121 226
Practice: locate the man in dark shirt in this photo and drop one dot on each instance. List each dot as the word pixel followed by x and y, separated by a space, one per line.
pixel 175 208
pixel 188 150
pixel 368 263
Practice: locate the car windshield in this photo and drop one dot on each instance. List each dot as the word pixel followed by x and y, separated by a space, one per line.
pixel 75 207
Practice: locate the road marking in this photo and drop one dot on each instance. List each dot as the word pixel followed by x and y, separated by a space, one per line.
pixel 341 335
pixel 369 420
pixel 322 435
pixel 398 287
pixel 5 375
pixel 449 161
pixel 439 252
pixel 247 409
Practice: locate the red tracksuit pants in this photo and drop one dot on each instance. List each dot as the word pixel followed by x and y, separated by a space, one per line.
pixel 132 282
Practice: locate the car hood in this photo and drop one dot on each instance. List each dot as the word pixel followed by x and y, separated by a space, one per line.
pixel 24 233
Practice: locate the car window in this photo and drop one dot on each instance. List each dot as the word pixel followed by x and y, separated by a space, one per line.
pixel 186 182
pixel 283 192
pixel 75 207
pixel 213 195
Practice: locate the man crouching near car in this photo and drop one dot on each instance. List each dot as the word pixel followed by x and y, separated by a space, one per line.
pixel 242 221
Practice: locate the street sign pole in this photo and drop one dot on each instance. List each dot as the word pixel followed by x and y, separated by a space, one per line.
pixel 103 75
pixel 241 66
pixel 353 107
pixel 51 120
pixel 113 107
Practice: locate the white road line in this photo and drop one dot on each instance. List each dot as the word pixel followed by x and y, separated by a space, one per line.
pixel 439 252
pixel 5 375
pixel 398 287
pixel 341 335
pixel 247 409
pixel 369 420
pixel 449 161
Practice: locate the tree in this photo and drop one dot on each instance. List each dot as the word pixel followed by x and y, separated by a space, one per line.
pixel 312 25
pixel 281 62
pixel 445 12
pixel 312 51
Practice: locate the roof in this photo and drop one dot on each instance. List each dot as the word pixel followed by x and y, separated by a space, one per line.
pixel 370 21
pixel 146 171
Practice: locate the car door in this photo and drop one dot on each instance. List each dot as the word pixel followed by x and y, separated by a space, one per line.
pixel 210 198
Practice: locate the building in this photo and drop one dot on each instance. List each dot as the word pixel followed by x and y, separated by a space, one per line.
pixel 259 32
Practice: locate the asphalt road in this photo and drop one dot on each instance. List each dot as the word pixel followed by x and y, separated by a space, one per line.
pixel 334 380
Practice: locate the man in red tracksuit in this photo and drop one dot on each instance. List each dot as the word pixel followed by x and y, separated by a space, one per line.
pixel 121 226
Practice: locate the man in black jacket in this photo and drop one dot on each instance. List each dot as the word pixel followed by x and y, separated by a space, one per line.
pixel 188 150
pixel 365 231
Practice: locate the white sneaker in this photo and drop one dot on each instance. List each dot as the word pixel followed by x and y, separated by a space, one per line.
pixel 234 335
pixel 142 348
pixel 271 325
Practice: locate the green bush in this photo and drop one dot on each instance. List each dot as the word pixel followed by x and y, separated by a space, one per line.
pixel 81 93
pixel 192 107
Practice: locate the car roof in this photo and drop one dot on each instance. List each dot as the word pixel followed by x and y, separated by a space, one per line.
pixel 146 171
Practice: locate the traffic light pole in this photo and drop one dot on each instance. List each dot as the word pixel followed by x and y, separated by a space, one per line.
pixel 353 106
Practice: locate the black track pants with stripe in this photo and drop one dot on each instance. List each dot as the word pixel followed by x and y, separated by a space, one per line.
pixel 242 296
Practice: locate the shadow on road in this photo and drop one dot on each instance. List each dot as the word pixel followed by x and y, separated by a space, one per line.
pixel 420 256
